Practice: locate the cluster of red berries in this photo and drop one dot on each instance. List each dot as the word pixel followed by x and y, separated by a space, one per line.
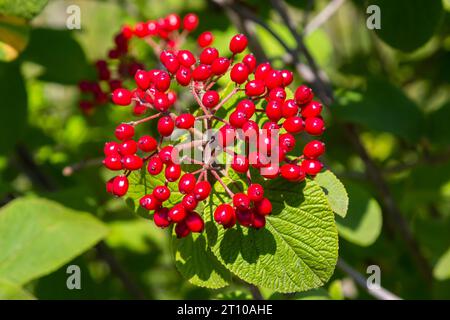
pixel 259 82
pixel 160 34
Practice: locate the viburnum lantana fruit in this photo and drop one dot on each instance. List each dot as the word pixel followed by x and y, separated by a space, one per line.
pixel 263 95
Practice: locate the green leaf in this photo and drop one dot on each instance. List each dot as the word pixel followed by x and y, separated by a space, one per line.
pixel 13 109
pixel 382 107
pixel 39 236
pixel 196 262
pixel 296 251
pixel 13 37
pixel 408 24
pixel 437 126
pixel 60 54
pixel 26 9
pixel 11 291
pixel 142 183
pixel 364 220
pixel 335 192
pixel 441 270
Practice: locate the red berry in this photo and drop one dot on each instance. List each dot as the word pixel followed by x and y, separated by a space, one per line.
pixel 312 109
pixel 287 142
pixel 189 202
pixel 314 149
pixel 277 94
pixel 241 201
pixel 167 154
pixel 274 111
pixel 303 95
pixel 173 172
pixel 183 76
pixel 190 22
pixel 225 215
pixel 289 108
pixel 186 58
pixel 202 72
pixel 287 76
pixel 142 79
pixel 147 144
pixel 262 70
pixel 293 124
pixel 208 55
pixel 270 172
pixel 185 121
pixel 250 61
pixel 120 186
pixel 244 216
pixel 177 213
pixel 210 99
pixel 202 190
pixel 205 39
pixel 255 192
pixel 239 73
pixel 173 22
pixel 255 88
pixel 121 97
pixel 111 148
pixel 182 230
pixel 226 135
pixel 113 162
pixel 132 162
pixel 162 81
pixel 240 164
pixel 128 147
pixel 172 97
pixel 170 62
pixel 247 106
pixel 154 166
pixel 161 217
pixel 314 126
pixel 161 193
pixel 187 183
pixel 292 172
pixel 250 128
pixel 165 126
pixel 149 202
pixel 273 79
pixel 220 66
pixel 139 109
pixel 124 131
pixel 257 160
pixel 238 43
pixel 238 118
pixel 312 167
pixel 259 221
pixel 263 207
pixel 194 222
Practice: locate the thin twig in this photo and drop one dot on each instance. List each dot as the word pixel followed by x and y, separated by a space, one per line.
pixel 323 16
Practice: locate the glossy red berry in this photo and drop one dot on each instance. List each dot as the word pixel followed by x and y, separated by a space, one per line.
pixel 314 126
pixel 186 58
pixel 293 124
pixel 238 43
pixel 121 97
pixel 142 79
pixel 187 183
pixel 128 147
pixel 270 172
pixel 205 39
pixel 292 172
pixel 202 72
pixel 262 70
pixel 287 142
pixel 120 186
pixel 238 118
pixel 250 61
pixel 277 94
pixel 312 167
pixel 172 172
pixel 220 66
pixel 239 73
pixel 244 216
pixel 113 162
pixel 167 154
pixel 241 201
pixel 226 136
pixel 289 108
pixel 161 193
pixel 312 109
pixel 208 55
pixel 185 121
pixel 303 95
pixel 162 81
pixel 171 63
pixel 182 230
pixel 240 164
pixel 190 22
pixel 183 76
pixel 124 131
pixel 210 99
pixel 194 222
pixel 255 192
pixel 314 149
pixel 287 76
pixel 165 126
pixel 149 202
pixel 263 207
pixel 202 190
pixel 132 162
pixel 224 214
pixel 173 22
pixel 255 88
pixel 177 213
pixel 161 217
pixel 273 79
pixel 274 111
pixel 154 166
pixel 247 106
pixel 189 202
pixel 147 143
pixel 111 148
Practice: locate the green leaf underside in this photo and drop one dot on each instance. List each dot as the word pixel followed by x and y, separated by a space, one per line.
pixel 195 261
pixel 11 291
pixel 22 8
pixel 296 251
pixel 38 236
pixel 335 192
pixel 441 271
pixel 364 220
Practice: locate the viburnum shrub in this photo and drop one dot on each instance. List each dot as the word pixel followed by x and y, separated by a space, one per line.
pixel 247 149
